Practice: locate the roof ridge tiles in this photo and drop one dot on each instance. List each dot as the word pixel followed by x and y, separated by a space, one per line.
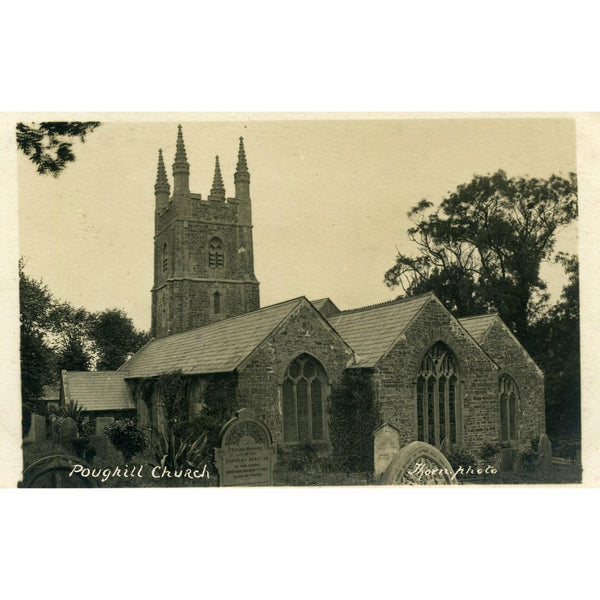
pixel 382 304
pixel 490 314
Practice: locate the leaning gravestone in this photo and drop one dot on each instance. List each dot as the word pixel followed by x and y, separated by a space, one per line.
pixel 419 463
pixel 386 444
pixel 68 431
pixel 247 454
pixel 544 452
pixel 37 431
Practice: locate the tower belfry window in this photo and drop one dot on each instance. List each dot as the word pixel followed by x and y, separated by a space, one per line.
pixel 216 256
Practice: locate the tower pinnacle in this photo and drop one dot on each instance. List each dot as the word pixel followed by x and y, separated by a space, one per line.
pixel 218 189
pixel 162 189
pixel 242 176
pixel 242 165
pixel 181 167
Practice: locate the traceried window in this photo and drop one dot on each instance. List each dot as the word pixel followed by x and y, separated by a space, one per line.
pixel 303 395
pixel 508 409
pixel 216 256
pixel 217 302
pixel 165 258
pixel 437 397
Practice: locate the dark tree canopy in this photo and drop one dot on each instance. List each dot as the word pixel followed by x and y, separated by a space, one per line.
pixel 115 338
pixel 56 335
pixel 557 351
pixel 483 246
pixel 49 145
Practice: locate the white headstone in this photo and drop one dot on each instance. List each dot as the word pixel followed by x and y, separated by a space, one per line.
pixel 386 445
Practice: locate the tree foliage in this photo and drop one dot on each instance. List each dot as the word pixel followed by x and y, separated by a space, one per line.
pixel 49 145
pixel 483 246
pixel 115 338
pixel 557 351
pixel 56 335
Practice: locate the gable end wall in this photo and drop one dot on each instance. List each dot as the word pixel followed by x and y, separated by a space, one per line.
pixel 396 376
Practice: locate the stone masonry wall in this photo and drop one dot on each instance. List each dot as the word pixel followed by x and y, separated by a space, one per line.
pixel 515 362
pixel 259 380
pixel 396 377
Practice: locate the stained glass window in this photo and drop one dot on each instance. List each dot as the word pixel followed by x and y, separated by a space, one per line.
pixel 436 396
pixel 303 401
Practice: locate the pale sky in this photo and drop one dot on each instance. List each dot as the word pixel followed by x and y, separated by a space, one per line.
pixel 329 199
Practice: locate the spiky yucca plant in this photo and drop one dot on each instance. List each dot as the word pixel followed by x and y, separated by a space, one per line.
pixel 175 453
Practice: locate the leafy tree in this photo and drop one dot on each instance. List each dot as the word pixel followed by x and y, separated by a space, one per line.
pixel 115 338
pixel 483 246
pixel 353 419
pixel 37 357
pixel 557 351
pixel 49 145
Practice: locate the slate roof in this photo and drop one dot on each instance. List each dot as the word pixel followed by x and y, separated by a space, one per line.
pixel 479 325
pixel 216 348
pixel 97 390
pixel 371 331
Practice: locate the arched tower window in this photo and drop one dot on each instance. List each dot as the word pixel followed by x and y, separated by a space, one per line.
pixel 509 399
pixel 437 397
pixel 216 256
pixel 165 258
pixel 217 303
pixel 303 394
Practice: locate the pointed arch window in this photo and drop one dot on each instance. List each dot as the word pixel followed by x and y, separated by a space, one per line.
pixel 216 256
pixel 303 395
pixel 438 410
pixel 165 258
pixel 509 400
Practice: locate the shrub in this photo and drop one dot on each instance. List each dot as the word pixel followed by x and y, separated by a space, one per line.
pixel 127 437
pixel 459 457
pixel 353 419
pixel 489 451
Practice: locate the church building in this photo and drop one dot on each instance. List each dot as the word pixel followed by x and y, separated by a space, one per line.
pixel 465 382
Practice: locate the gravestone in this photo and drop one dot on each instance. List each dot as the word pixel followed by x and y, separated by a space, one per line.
pixel 544 452
pixel 102 422
pixel 68 431
pixel 58 472
pixel 247 454
pixel 386 444
pixel 37 431
pixel 419 463
pixel 100 445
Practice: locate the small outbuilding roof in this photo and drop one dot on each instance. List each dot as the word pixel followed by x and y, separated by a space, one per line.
pixel 371 331
pixel 479 325
pixel 97 390
pixel 216 348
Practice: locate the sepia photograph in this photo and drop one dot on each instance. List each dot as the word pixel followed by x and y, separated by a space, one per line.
pixel 316 300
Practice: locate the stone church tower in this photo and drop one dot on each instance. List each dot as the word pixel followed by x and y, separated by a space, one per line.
pixel 203 255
